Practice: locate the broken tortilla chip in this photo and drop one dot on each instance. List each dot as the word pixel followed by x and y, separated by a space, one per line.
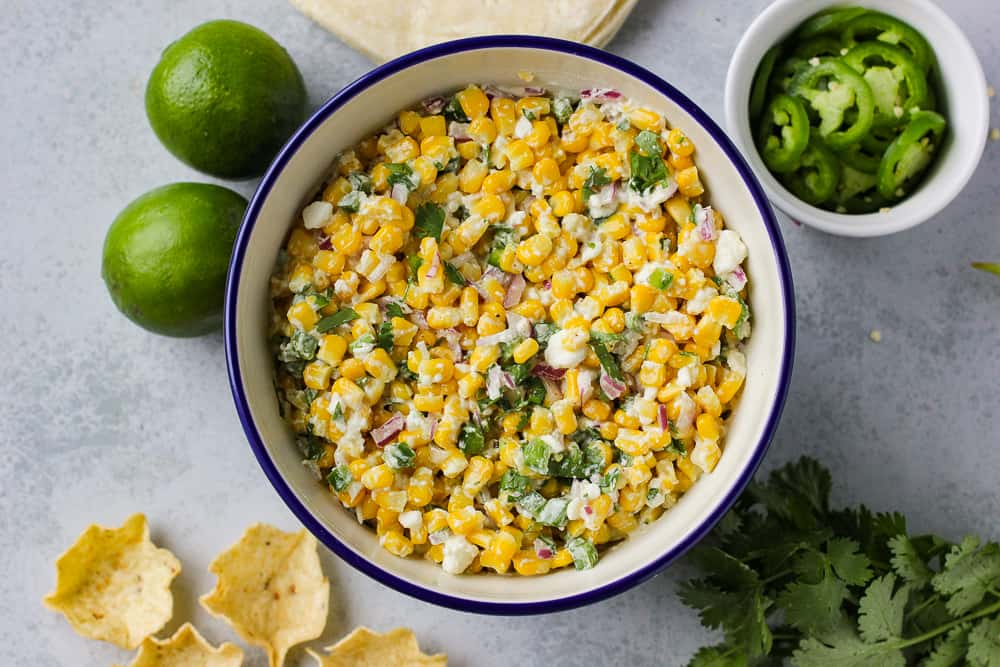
pixel 364 648
pixel 114 584
pixel 271 589
pixel 187 648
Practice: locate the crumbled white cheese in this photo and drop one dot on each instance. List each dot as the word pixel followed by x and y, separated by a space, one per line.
pixel 411 520
pixel 458 554
pixel 522 128
pixel 737 362
pixel 699 303
pixel 567 348
pixel 729 252
pixel 317 214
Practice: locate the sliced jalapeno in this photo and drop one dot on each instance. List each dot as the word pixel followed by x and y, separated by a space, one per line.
pixel 841 98
pixel 785 72
pixel 897 83
pixel 828 21
pixel 818 47
pixel 783 134
pixel 816 179
pixel 853 183
pixel 885 28
pixel 758 92
pixel 909 154
pixel 860 158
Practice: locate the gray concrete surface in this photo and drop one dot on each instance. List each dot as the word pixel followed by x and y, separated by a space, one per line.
pixel 99 419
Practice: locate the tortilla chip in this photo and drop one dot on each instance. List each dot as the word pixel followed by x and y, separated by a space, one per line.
pixel 384 29
pixel 271 589
pixel 364 648
pixel 187 648
pixel 114 584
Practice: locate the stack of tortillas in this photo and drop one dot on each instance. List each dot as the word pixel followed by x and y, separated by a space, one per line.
pixel 384 29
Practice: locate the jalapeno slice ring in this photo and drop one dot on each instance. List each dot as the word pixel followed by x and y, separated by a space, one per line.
pixel 888 70
pixel 909 155
pixel 829 21
pixel 832 89
pixel 816 179
pixel 783 134
pixel 758 92
pixel 885 28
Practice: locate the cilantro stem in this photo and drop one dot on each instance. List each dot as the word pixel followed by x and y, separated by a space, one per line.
pixel 920 639
pixel 923 605
pixel 774 577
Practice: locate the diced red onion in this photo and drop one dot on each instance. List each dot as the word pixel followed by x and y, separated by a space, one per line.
pixel 705 223
pixel 452 337
pixel 434 425
pixel 542 549
pixel 519 324
pixel 400 193
pixel 612 388
pixel 459 131
pixel 494 382
pixel 533 91
pixel 418 318
pixel 737 278
pixel 433 105
pixel 491 272
pixel 514 291
pixel 388 430
pixel 325 243
pixel 664 421
pixel 508 380
pixel 552 389
pixel 494 91
pixel 587 509
pixel 546 371
pixel 599 95
pixel 547 284
pixel 435 266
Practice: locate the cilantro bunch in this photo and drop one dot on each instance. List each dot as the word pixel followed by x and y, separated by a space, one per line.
pixel 791 581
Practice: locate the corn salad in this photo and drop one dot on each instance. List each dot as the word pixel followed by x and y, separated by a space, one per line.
pixel 508 330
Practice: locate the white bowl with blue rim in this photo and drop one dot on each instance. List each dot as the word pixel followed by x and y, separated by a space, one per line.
pixel 362 108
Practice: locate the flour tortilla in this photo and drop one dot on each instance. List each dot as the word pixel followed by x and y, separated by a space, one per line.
pixel 384 29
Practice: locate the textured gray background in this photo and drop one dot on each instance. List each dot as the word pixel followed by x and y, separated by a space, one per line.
pixel 99 419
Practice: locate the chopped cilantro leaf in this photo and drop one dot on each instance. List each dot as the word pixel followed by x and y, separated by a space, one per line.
pixel 360 181
pixel 647 171
pixel 649 143
pixel 472 441
pixel 562 109
pixel 596 179
pixel 393 309
pixel 385 338
pixel 428 221
pixel 342 316
pixel 351 201
pixel 400 173
pixel 608 361
pixel 536 456
pixel 514 484
pixel 583 552
pixel 453 274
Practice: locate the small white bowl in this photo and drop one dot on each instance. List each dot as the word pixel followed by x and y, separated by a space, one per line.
pixel 363 107
pixel 963 99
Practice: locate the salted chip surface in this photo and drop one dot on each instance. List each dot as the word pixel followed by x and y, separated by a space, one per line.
pixel 271 589
pixel 114 584
pixel 187 648
pixel 364 648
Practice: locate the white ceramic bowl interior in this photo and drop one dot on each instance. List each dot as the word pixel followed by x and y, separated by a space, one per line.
pixel 963 102
pixel 363 108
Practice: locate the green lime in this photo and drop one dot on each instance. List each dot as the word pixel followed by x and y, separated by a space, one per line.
pixel 224 98
pixel 166 257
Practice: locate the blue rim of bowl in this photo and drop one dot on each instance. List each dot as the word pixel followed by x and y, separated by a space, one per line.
pixel 236 383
